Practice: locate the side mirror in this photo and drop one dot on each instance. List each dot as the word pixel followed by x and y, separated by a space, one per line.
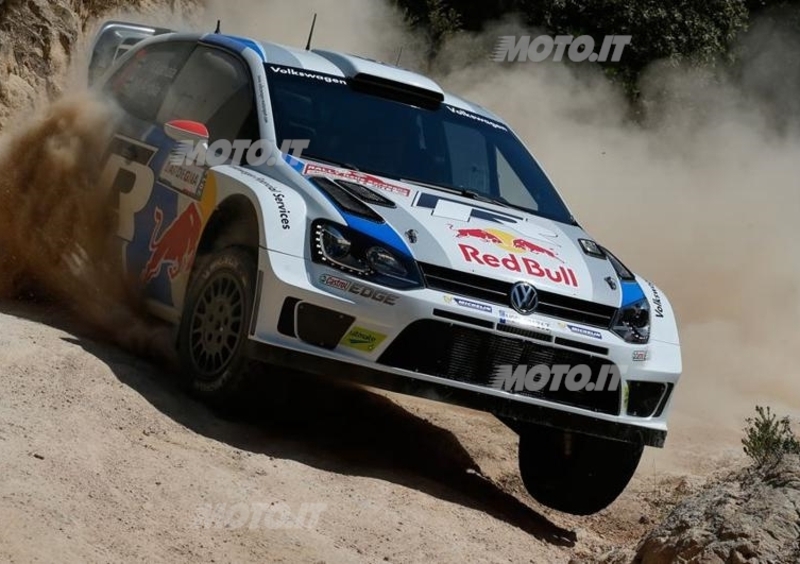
pixel 186 130
pixel 191 132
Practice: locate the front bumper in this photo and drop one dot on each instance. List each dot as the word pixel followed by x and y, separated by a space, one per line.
pixel 444 347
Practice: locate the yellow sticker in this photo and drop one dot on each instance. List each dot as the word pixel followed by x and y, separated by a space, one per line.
pixel 362 339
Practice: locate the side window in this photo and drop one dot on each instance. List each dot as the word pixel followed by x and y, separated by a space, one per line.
pixel 468 157
pixel 141 84
pixel 215 89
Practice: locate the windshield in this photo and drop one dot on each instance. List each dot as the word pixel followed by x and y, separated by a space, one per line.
pixel 447 147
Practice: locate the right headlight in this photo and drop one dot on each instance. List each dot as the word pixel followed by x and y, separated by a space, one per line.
pixel 632 322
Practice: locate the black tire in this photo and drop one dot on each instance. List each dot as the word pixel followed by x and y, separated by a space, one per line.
pixel 575 473
pixel 214 329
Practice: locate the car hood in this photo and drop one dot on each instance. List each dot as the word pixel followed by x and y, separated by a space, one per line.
pixel 448 230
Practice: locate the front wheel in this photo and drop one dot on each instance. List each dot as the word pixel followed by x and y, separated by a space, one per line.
pixel 213 332
pixel 575 473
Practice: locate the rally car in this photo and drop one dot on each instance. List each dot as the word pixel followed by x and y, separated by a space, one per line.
pixel 414 244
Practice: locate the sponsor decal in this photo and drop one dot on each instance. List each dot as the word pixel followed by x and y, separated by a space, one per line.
pixel 277 194
pixel 513 318
pixel 173 246
pixel 282 211
pixel 476 117
pixel 261 99
pixel 470 210
pixel 658 307
pixel 289 71
pixel 508 242
pixel 640 356
pixel 362 339
pixel 357 177
pixel 358 289
pixel 510 262
pixel 584 332
pixel 335 282
pixel 186 179
pixel 376 295
pixel 468 304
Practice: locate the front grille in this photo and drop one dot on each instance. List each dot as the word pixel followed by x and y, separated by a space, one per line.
pixel 470 355
pixel 498 292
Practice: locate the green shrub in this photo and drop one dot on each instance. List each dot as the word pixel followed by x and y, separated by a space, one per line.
pixel 767 438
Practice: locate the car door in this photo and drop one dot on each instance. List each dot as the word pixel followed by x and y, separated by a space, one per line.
pixel 163 204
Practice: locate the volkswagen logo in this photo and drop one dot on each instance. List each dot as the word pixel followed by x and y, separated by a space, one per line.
pixel 524 298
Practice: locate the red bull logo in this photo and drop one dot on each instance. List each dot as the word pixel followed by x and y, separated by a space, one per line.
pixel 527 246
pixel 481 234
pixel 175 246
pixel 506 241
pixel 515 246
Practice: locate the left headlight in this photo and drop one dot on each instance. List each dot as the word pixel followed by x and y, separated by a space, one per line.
pixel 359 254
pixel 632 322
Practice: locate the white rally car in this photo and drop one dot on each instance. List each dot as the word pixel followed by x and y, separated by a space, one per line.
pixel 414 245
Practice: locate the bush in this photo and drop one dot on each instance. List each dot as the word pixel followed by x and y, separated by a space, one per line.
pixel 767 438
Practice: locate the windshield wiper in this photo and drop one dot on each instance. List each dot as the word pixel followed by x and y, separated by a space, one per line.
pixel 331 162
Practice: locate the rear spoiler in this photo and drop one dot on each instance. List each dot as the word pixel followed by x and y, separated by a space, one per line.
pixel 114 40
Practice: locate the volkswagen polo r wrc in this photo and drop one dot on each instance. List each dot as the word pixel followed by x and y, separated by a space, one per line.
pixel 413 245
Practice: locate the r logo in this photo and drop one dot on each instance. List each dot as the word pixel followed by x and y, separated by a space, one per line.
pixel 130 179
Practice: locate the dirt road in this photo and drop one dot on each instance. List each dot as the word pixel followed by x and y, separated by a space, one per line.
pixel 103 459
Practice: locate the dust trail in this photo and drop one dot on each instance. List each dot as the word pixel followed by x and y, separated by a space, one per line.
pixel 56 228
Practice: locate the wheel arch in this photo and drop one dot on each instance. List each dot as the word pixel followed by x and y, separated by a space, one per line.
pixel 234 222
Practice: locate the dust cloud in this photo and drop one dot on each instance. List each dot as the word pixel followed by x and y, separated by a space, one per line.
pixel 701 195
pixel 701 198
pixel 56 227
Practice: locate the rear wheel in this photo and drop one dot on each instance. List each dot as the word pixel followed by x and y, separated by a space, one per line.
pixel 213 333
pixel 575 473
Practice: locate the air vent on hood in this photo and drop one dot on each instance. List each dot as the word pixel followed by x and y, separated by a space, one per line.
pixel 366 194
pixel 345 200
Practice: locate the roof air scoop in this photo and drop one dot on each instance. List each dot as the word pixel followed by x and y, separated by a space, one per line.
pixel 379 79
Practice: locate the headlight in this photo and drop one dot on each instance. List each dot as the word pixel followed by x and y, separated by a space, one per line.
pixel 359 254
pixel 632 322
pixel 385 263
pixel 335 246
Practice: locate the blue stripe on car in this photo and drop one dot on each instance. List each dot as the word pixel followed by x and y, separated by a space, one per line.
pixel 234 43
pixel 294 162
pixel 382 232
pixel 631 292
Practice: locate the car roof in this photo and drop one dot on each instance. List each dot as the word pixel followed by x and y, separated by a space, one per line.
pixel 341 65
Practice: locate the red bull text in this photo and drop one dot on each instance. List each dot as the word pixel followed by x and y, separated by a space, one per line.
pixel 510 262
